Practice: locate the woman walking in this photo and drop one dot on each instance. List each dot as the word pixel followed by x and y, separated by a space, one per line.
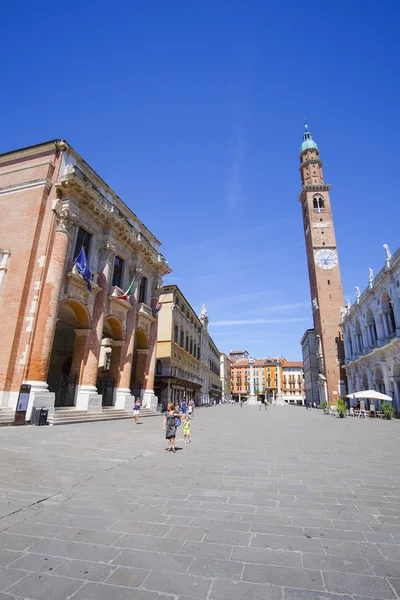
pixel 170 427
pixel 136 410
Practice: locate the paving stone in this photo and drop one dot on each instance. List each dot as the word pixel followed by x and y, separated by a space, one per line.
pixel 154 560
pixel 224 590
pixel 140 528
pixel 234 526
pixel 148 542
pixel 390 551
pixel 37 562
pixel 8 556
pixel 103 591
pixel 334 534
pixel 82 569
pixel 351 549
pixel 178 520
pixel 205 550
pixel 83 521
pixel 221 569
pixel 225 536
pixel 266 557
pixel 358 584
pixel 186 533
pixel 40 530
pixel 296 594
pixel 169 583
pixel 75 550
pixel 90 536
pixel 385 568
pixel 283 576
pixel 337 563
pixel 128 577
pixel 9 576
pixel 41 586
pixel 285 542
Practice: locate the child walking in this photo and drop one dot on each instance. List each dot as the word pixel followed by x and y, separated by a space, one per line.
pixel 186 429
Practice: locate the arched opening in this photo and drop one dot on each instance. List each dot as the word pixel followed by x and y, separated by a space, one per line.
pixel 139 363
pixel 109 359
pixel 318 204
pixel 371 327
pixel 349 342
pixel 359 338
pixel 62 378
pixel 364 381
pixel 379 382
pixel 388 314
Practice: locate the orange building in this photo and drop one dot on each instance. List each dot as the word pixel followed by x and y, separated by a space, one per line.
pixel 270 375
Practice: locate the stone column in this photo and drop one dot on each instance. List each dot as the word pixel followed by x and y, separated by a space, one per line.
pixel 123 396
pixel 42 342
pixel 149 398
pixel 252 399
pixel 279 396
pixel 77 366
pixel 88 397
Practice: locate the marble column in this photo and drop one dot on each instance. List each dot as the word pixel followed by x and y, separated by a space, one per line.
pixel 252 399
pixel 88 397
pixel 42 343
pixel 123 397
pixel 149 398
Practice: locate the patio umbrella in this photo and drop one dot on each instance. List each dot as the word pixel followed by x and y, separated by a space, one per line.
pixel 370 395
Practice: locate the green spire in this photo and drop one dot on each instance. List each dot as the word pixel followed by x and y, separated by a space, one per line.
pixel 308 142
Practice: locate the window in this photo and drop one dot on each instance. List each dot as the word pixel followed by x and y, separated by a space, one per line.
pixel 159 367
pixel 176 334
pixel 191 346
pixel 118 270
pixel 198 352
pixel 318 204
pixel 82 241
pixel 143 290
pixel 182 338
pixel 187 343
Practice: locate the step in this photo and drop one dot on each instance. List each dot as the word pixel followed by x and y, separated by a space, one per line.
pixel 6 416
pixel 70 415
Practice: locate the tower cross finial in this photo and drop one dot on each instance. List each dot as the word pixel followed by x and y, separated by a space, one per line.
pixel 305 123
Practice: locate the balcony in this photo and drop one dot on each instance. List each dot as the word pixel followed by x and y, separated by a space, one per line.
pixel 145 312
pixel 179 373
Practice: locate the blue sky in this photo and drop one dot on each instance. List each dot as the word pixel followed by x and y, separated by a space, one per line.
pixel 193 112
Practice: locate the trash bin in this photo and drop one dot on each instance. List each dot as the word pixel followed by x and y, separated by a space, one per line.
pixel 34 416
pixel 39 416
pixel 159 407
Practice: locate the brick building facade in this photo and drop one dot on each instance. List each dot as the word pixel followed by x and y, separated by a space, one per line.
pixel 74 347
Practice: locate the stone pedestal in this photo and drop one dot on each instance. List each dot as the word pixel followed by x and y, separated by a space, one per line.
pixel 252 401
pixel 150 400
pixel 124 399
pixel 87 398
pixel 280 400
pixel 39 396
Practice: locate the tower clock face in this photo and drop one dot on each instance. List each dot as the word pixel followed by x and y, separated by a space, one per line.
pixel 326 259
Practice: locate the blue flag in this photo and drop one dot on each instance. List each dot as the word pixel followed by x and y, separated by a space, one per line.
pixel 81 263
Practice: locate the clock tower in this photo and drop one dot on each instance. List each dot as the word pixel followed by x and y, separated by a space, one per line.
pixel 323 269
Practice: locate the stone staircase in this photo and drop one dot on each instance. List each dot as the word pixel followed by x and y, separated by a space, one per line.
pixel 64 416
pixel 6 416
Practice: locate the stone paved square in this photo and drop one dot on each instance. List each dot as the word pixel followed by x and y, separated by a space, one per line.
pixel 287 504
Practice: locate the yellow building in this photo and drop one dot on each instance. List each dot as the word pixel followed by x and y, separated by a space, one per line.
pixel 178 366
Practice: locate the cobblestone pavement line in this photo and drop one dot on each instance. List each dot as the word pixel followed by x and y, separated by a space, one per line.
pixel 287 504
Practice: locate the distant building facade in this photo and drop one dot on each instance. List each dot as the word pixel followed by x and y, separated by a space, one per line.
pixel 83 346
pixel 310 367
pixel 179 366
pixel 371 333
pixel 267 376
pixel 210 359
pixel 293 382
pixel 225 370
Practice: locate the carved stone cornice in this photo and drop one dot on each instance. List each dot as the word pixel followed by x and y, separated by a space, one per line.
pixel 313 187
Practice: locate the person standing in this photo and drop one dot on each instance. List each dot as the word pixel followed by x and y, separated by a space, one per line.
pixel 186 429
pixel 266 404
pixel 170 427
pixel 259 404
pixel 184 406
pixel 136 410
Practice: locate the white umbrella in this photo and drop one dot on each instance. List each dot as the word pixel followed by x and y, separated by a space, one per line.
pixel 370 395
